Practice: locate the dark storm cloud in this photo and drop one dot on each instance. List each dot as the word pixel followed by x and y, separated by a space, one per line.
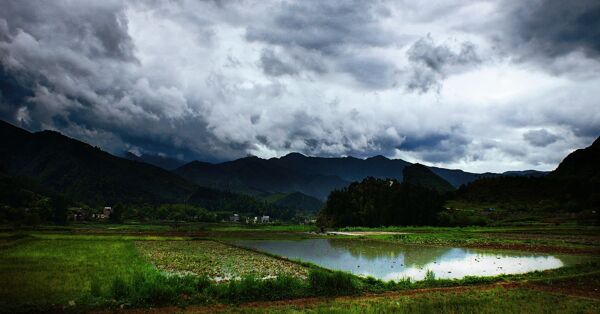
pixel 553 28
pixel 324 26
pixel 540 138
pixel 71 66
pixel 100 29
pixel 437 147
pixel 431 63
pixel 332 31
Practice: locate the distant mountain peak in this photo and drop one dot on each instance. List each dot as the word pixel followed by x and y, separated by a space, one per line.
pixel 294 155
pixel 164 162
pixel 378 157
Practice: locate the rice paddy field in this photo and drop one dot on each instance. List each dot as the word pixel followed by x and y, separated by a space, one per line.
pixel 192 268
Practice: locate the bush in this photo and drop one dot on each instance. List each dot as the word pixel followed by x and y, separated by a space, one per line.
pixel 332 282
pixel 149 288
pixel 429 276
pixel 253 288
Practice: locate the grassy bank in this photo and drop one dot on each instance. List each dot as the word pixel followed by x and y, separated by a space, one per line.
pixel 559 239
pixel 498 300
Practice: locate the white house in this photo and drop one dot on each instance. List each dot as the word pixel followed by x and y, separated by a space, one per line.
pixel 264 219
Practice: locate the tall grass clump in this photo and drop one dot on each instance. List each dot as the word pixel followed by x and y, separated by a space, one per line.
pixel 429 275
pixel 154 288
pixel 250 288
pixel 324 282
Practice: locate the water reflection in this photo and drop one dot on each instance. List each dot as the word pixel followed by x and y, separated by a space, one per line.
pixel 389 261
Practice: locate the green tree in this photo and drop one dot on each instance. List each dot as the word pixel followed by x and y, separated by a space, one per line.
pixel 117 213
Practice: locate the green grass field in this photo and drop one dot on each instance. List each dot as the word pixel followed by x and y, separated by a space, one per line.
pixel 91 267
pixel 48 273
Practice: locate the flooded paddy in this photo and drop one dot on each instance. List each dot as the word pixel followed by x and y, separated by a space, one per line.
pixel 389 261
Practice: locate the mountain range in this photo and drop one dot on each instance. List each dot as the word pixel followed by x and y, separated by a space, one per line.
pixel 88 174
pixel 314 176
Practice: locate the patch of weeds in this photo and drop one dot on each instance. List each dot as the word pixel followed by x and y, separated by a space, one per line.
pixel 429 276
pixel 251 288
pixel 324 282
pixel 153 288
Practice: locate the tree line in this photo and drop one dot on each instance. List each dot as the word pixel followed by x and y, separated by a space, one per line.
pixel 381 202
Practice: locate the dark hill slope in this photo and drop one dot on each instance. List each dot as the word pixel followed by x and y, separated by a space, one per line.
pixel 580 164
pixel 420 175
pixel 572 186
pixel 85 173
pixel 299 202
pixel 254 175
pixel 156 160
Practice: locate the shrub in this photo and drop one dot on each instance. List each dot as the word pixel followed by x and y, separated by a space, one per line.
pixel 253 288
pixel 332 282
pixel 429 275
pixel 150 288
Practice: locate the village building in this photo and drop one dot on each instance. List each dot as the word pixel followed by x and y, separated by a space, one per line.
pixel 264 219
pixel 107 211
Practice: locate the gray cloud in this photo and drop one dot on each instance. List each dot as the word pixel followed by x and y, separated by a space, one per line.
pixel 310 30
pixel 432 63
pixel 328 27
pixel 540 138
pixel 555 28
pixel 370 72
pixel 273 65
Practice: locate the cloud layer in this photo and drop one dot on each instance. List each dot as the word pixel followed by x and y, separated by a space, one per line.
pixel 483 85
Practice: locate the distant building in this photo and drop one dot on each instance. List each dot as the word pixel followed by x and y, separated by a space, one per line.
pixel 264 219
pixel 235 218
pixel 490 209
pixel 107 211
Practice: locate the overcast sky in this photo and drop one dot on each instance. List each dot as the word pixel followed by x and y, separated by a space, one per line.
pixel 478 85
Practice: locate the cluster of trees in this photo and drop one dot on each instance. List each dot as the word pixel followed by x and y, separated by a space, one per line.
pixel 548 193
pixel 377 202
pixel 149 212
pixel 239 203
pixel 22 201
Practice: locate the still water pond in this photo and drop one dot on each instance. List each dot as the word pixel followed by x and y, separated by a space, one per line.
pixel 388 261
